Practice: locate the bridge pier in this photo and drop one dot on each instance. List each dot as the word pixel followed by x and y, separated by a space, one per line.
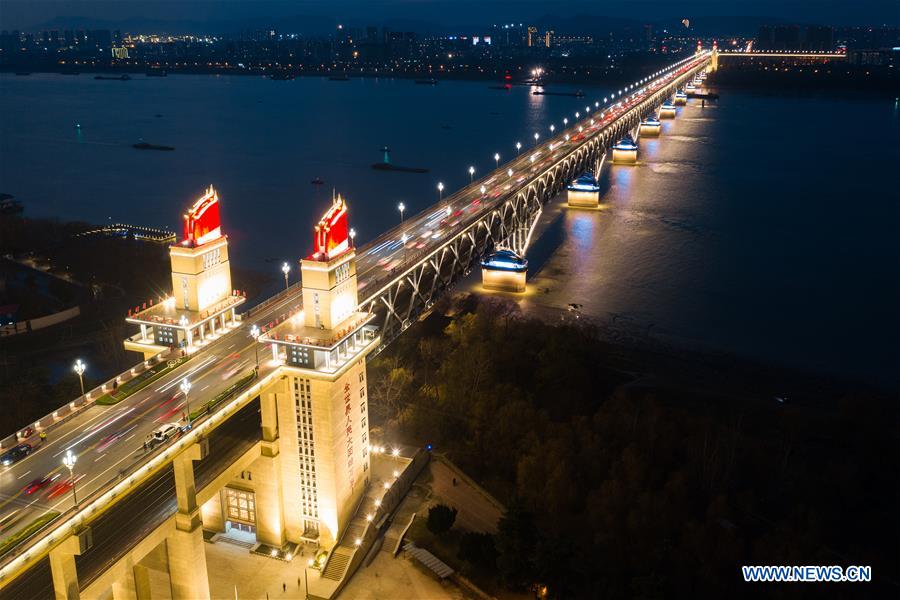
pixel 267 475
pixel 62 569
pixel 127 587
pixel 187 557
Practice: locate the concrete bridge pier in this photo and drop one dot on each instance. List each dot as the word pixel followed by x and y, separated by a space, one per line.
pixel 187 557
pixel 132 582
pixel 62 568
pixel 267 473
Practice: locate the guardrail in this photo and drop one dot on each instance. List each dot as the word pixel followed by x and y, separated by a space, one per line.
pixel 79 405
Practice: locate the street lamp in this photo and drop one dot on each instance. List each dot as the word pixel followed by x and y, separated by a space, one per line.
pixel 552 128
pixel 254 333
pixel 440 191
pixel 509 172
pixel 518 147
pixel 497 159
pixel 79 368
pixel 352 235
pixel 185 387
pixel 401 207
pixel 537 136
pixel 471 174
pixel 483 190
pixel 69 462
pixel 285 268
pixel 565 120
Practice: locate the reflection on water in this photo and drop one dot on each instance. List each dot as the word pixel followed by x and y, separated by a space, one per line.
pixel 714 240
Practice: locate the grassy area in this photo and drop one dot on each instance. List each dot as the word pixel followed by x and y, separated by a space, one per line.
pixel 238 385
pixel 141 381
pixel 27 532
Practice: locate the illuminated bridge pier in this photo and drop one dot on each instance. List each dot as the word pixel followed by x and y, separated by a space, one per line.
pixel 625 152
pixel 504 271
pixel 680 97
pixel 584 192
pixel 651 127
pixel 202 302
pixel 667 110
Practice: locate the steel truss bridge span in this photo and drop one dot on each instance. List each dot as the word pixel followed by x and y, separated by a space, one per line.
pixel 505 219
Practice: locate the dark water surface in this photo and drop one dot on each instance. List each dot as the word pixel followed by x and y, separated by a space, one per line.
pixel 766 225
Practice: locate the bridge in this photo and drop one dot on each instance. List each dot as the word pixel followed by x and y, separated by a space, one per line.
pixel 805 54
pixel 136 505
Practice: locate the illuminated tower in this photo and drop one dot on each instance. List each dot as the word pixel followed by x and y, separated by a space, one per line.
pixel 202 299
pixel 201 274
pixel 323 430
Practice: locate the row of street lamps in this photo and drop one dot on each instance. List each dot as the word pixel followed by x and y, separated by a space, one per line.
pixel 537 136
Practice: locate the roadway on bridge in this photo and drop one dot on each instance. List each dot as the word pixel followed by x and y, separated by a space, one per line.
pixel 108 440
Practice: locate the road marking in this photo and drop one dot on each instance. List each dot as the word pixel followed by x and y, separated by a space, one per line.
pixel 204 387
pixel 129 437
pixel 99 457
pixel 23 474
pixel 232 346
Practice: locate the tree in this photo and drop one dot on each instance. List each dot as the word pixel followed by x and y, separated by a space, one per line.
pixel 440 518
pixel 390 386
pixel 516 541
pixel 478 549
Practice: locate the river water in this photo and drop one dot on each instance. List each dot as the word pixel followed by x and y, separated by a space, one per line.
pixel 765 224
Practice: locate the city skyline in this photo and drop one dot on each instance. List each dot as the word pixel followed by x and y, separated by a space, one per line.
pixel 439 16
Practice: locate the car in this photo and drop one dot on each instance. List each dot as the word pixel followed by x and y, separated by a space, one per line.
pixel 15 454
pixel 165 432
pixel 39 483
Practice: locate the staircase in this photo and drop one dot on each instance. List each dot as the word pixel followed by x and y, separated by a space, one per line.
pixel 337 564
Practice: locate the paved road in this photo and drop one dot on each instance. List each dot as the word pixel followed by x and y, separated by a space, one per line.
pixel 108 440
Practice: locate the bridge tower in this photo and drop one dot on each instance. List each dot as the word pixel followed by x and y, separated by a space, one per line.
pixel 322 400
pixel 714 58
pixel 202 298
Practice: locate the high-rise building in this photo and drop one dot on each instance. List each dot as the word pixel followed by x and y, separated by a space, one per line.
pixel 532 36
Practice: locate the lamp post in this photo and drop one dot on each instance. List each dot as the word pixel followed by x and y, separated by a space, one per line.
pixel 537 136
pixel 552 129
pixel 352 235
pixel 69 462
pixel 471 174
pixel 254 333
pixel 565 120
pixel 483 190
pixel 185 387
pixel 509 172
pixel 79 368
pixel 401 207
pixel 440 191
pixel 285 268
pixel 518 147
pixel 496 160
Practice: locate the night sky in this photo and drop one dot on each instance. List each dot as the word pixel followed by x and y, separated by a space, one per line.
pixel 186 14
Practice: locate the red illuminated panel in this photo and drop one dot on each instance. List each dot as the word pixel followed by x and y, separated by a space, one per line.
pixel 332 235
pixel 201 222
